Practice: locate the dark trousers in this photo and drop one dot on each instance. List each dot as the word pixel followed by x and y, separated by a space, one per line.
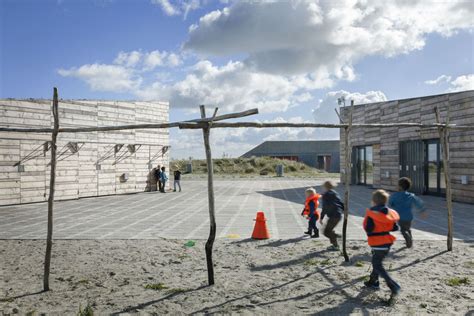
pixel 405 228
pixel 161 186
pixel 312 223
pixel 329 229
pixel 378 270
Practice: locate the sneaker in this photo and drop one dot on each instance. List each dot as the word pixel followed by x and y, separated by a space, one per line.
pixel 333 248
pixel 375 285
pixel 307 233
pixel 393 297
pixel 315 235
pixel 174 190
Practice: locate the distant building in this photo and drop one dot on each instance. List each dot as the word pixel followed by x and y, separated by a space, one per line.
pixel 321 154
pixel 380 156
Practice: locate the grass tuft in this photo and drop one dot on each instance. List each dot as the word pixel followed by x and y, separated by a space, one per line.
pixel 359 263
pixel 87 311
pixel 155 286
pixel 456 281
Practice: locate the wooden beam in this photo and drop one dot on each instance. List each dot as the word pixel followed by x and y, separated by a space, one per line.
pixel 52 182
pixel 210 194
pixel 347 181
pixel 191 125
pixel 444 140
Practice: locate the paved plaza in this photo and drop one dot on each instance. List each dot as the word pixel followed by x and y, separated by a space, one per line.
pixel 185 215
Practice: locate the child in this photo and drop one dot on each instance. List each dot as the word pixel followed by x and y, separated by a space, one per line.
pixel 177 179
pixel 311 211
pixel 379 221
pixel 333 208
pixel 163 179
pixel 403 202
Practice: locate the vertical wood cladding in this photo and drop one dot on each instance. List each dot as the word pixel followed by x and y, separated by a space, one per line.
pixel 78 174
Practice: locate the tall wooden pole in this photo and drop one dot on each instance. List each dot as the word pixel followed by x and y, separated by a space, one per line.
pixel 210 193
pixel 444 140
pixel 347 181
pixel 52 181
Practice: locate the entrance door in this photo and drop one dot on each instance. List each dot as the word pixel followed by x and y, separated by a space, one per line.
pixel 434 173
pixel 411 163
pixel 362 165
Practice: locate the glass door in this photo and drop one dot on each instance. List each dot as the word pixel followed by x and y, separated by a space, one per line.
pixel 434 171
pixel 363 165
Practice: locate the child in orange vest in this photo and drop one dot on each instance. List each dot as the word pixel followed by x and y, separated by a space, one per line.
pixel 311 212
pixel 379 221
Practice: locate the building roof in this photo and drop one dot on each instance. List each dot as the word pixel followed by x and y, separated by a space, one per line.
pixel 294 147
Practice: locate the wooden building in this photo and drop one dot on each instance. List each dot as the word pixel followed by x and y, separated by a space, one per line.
pixel 89 164
pixel 380 156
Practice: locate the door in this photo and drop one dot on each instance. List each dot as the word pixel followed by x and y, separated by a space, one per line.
pixel 412 162
pixel 362 165
pixel 434 172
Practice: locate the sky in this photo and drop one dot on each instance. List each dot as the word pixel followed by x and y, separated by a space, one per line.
pixel 290 59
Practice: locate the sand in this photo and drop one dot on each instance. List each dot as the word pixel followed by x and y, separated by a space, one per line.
pixel 297 276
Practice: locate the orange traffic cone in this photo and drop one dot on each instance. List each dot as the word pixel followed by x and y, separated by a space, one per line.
pixel 260 230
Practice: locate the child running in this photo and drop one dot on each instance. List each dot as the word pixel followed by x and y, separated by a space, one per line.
pixel 332 208
pixel 403 202
pixel 379 221
pixel 311 212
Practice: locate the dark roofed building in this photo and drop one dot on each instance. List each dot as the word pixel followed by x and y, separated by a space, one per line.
pixel 321 154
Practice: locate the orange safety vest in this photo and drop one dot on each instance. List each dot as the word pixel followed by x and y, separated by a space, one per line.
pixel 383 226
pixel 315 199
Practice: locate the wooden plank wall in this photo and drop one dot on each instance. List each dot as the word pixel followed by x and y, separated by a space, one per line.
pixel 77 173
pixel 418 110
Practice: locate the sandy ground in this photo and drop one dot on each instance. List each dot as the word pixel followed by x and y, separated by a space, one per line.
pixel 295 276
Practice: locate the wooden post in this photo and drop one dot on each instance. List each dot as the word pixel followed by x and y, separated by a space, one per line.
pixel 347 181
pixel 52 181
pixel 444 140
pixel 210 193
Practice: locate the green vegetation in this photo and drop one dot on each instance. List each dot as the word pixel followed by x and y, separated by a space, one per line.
pixel 249 167
pixel 156 286
pixel 456 281
pixel 87 311
pixel 359 263
pixel 314 262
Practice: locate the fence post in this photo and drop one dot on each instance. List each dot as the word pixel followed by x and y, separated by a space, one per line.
pixel 347 180
pixel 52 182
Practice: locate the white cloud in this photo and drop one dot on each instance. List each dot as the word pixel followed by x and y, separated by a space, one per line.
pixel 128 59
pixel 158 58
pixel 462 83
pixel 300 37
pixel 440 79
pixel 325 110
pixel 179 7
pixel 231 87
pixel 102 77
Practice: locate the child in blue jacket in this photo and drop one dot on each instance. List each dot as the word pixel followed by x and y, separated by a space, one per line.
pixel 403 202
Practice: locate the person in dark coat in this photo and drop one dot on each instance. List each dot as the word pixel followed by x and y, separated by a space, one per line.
pixel 332 208
pixel 158 177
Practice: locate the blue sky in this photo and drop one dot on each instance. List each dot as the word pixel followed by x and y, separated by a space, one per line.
pixel 229 59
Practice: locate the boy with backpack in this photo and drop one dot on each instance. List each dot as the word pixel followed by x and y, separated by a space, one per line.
pixel 379 221
pixel 403 202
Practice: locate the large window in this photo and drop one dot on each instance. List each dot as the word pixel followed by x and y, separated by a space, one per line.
pixel 363 165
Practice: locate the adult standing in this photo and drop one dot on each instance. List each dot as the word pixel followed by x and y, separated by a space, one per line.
pixel 158 177
pixel 177 180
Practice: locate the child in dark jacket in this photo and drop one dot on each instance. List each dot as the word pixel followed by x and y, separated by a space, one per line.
pixel 403 202
pixel 332 208
pixel 311 212
pixel 379 221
